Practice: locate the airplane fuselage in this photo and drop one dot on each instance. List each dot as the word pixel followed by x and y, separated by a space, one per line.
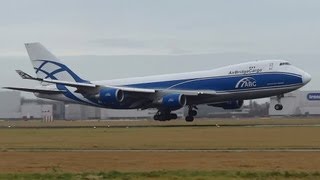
pixel 225 87
pixel 257 79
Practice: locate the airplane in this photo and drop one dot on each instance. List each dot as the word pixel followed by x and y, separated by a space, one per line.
pixel 226 87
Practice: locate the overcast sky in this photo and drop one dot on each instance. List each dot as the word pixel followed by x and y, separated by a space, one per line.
pixel 74 27
pixel 240 30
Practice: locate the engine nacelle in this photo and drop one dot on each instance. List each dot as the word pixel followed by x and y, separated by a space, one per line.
pixel 236 104
pixel 111 96
pixel 173 101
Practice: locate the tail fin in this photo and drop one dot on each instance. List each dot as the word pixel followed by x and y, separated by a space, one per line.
pixel 48 66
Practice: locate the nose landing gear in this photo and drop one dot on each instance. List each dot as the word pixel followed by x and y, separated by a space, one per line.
pixel 279 106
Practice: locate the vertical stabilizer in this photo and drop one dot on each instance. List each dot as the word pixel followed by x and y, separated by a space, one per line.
pixel 48 66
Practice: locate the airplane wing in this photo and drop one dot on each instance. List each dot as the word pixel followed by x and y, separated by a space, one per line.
pixel 192 93
pixel 24 75
pixel 35 90
pixel 85 87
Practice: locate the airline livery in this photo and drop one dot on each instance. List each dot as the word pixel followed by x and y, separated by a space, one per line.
pixel 225 87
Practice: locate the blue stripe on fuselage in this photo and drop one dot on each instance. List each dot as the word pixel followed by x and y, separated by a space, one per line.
pixel 226 83
pixel 262 82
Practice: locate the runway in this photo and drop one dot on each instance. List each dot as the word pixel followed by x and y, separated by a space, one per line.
pixel 169 150
pixel 145 123
pixel 163 126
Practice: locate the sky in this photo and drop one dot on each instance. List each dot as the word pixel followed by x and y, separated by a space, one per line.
pixel 124 38
pixel 117 27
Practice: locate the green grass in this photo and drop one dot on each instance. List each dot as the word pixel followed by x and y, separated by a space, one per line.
pixel 181 174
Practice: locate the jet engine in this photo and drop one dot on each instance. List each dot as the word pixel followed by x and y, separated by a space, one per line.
pixel 111 96
pixel 173 101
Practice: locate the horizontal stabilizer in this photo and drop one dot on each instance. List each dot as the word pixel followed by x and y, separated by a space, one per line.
pixel 24 75
pixel 44 91
pixel 53 81
pixel 81 85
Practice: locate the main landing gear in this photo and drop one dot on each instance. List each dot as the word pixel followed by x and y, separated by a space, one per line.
pixel 164 116
pixel 279 106
pixel 191 113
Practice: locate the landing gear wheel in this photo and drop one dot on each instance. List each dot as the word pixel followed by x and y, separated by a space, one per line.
pixel 192 113
pixel 164 116
pixel 278 107
pixel 156 117
pixel 173 116
pixel 189 118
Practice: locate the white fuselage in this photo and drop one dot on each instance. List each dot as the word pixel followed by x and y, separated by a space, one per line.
pixel 257 79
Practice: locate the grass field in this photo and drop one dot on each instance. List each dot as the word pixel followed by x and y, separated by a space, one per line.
pixel 78 162
pixel 87 153
pixel 161 138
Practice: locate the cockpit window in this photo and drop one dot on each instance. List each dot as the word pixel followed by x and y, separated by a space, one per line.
pixel 285 64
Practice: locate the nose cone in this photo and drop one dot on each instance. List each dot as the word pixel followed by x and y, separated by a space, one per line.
pixel 306 78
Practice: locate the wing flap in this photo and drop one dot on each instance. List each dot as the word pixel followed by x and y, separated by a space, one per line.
pixel 193 93
pixel 136 90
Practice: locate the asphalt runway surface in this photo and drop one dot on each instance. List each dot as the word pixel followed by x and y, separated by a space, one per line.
pixel 163 126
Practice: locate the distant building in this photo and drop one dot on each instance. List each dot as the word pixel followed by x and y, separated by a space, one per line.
pixel 40 109
pixel 74 112
pixel 81 112
pixel 205 111
pixel 31 110
pixel 10 104
pixel 297 103
pixel 120 114
pixel 47 112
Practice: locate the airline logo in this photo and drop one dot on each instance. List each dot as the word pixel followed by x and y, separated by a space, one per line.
pixel 171 100
pixel 247 82
pixel 313 96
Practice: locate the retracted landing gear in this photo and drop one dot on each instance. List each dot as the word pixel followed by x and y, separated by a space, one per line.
pixel 191 113
pixel 279 106
pixel 164 116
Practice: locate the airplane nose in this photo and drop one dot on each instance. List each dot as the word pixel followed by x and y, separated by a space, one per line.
pixel 306 78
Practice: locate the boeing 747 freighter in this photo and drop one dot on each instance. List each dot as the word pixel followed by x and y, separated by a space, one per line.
pixel 225 87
